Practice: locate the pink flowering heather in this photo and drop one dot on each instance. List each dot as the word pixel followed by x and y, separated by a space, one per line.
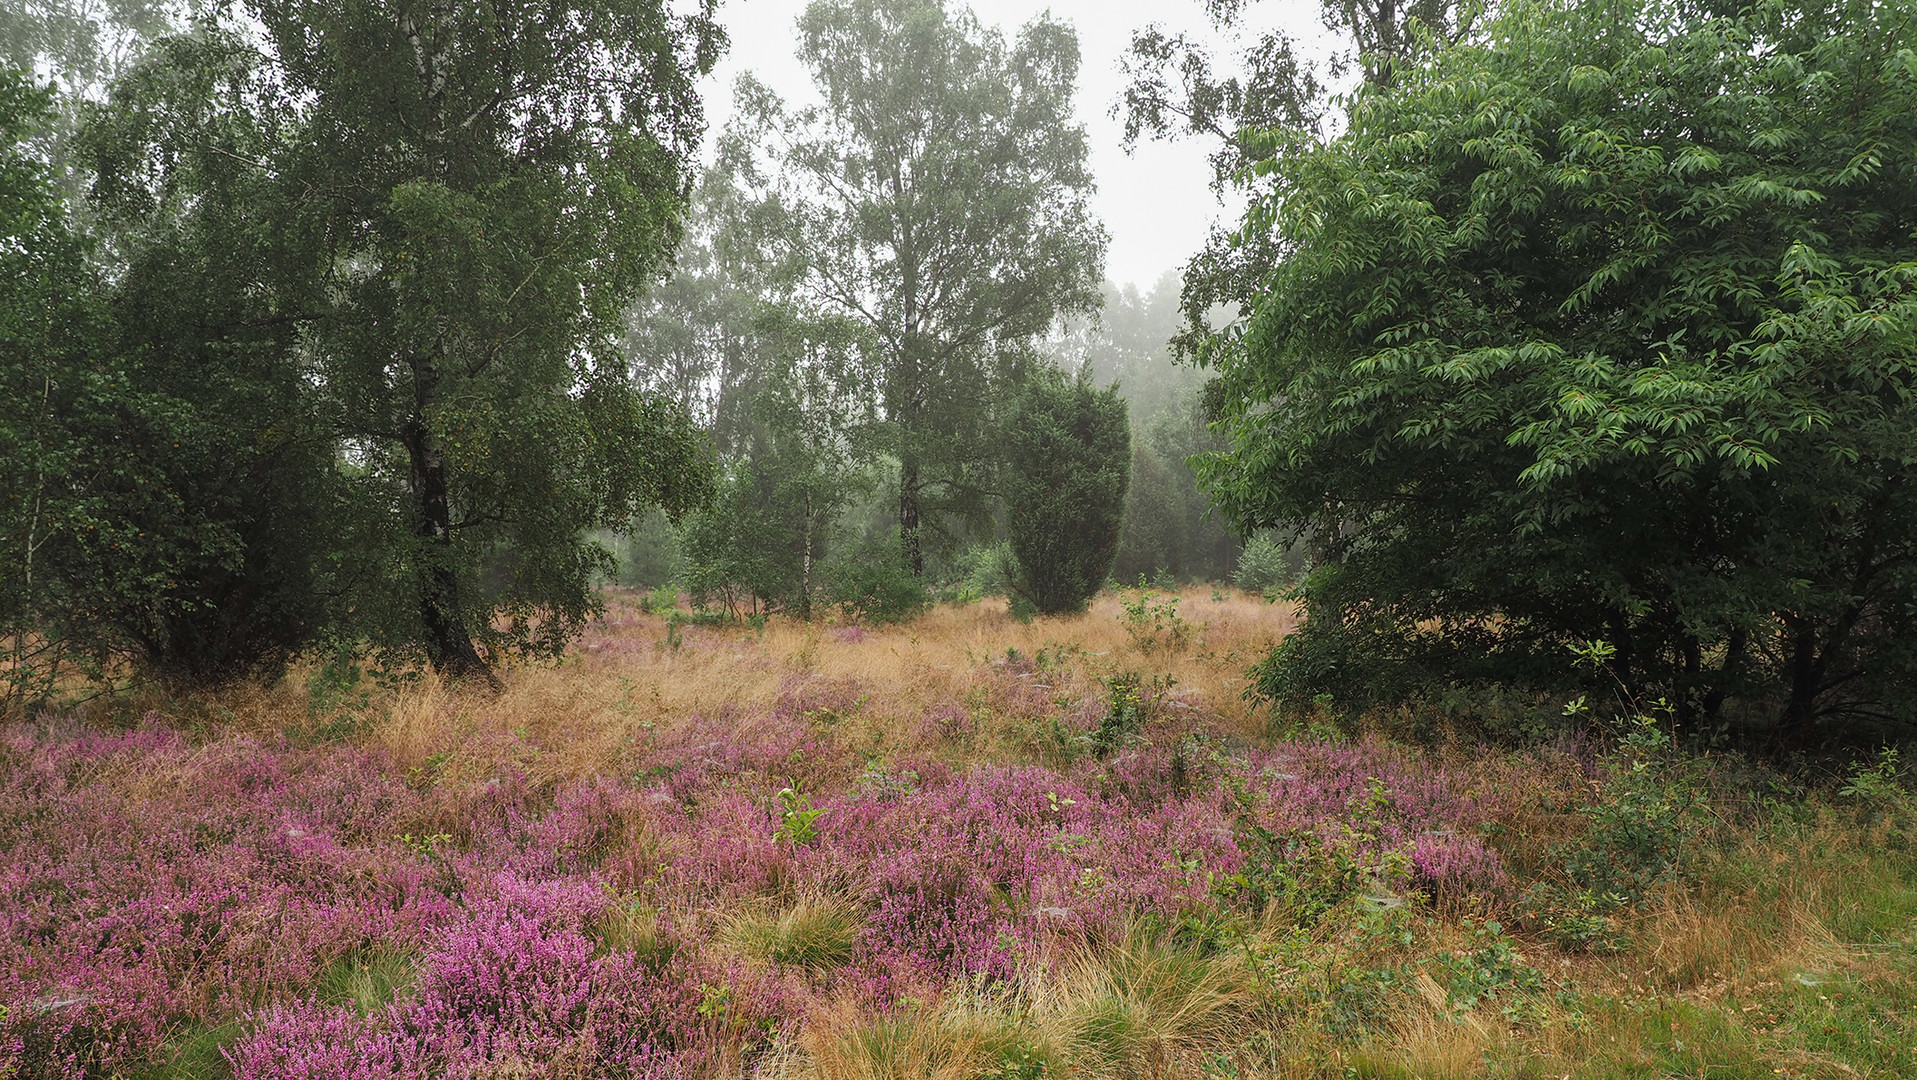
pixel 513 987
pixel 1378 800
pixel 149 884
pixel 145 883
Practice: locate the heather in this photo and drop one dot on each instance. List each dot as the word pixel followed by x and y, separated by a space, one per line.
pixel 962 846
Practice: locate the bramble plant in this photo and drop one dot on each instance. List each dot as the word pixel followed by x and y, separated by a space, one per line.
pixel 1494 967
pixel 1634 839
pixel 1152 621
pixel 1877 784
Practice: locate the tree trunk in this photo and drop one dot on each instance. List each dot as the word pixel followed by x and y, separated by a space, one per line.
pixel 909 516
pixel 449 644
pixel 805 562
pixel 1806 675
pixel 1733 659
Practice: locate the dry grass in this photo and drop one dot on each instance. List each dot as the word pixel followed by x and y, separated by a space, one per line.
pixel 1149 1005
pixel 626 682
pixel 815 932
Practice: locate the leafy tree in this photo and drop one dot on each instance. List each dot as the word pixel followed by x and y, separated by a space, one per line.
pixel 170 493
pixel 710 335
pixel 1127 341
pixel 462 201
pixel 1067 467
pixel 50 329
pixel 938 198
pixel 1600 325
pixel 82 45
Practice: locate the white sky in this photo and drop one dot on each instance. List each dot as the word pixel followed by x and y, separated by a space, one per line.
pixel 1157 202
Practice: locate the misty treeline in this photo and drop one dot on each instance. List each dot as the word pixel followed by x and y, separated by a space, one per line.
pixel 867 314
pixel 352 329
pixel 1568 347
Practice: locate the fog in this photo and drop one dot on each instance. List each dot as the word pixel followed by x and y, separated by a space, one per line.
pixel 1156 200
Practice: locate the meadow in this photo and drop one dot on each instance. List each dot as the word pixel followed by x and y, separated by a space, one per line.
pixel 962 846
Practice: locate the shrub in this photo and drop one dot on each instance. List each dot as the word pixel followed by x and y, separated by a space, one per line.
pixel 1626 355
pixel 871 584
pixel 1152 621
pixel 1266 566
pixel 1069 453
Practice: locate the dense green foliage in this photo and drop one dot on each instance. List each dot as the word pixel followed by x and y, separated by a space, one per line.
pixel 758 546
pixel 1263 96
pixel 1600 325
pixel 46 330
pixel 1068 458
pixel 349 372
pixel 169 501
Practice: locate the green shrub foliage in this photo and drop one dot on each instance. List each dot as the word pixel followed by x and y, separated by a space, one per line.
pixel 1068 457
pixel 870 583
pixel 170 492
pixel 1600 324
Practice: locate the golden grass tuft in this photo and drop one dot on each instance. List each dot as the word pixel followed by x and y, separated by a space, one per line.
pixel 814 932
pixel 1148 1004
pixel 626 683
pixel 963 1036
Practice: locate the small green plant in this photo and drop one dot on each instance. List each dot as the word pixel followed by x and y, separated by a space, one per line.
pixel 661 600
pixel 1493 967
pixel 339 696
pixel 1638 828
pixel 872 585
pixel 1152 620
pixel 1876 785
pixel 366 979
pixel 714 1001
pixel 796 817
pixel 427 845
pixel 1130 702
pixel 1265 566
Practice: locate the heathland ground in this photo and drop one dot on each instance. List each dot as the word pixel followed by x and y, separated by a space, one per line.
pixel 962 846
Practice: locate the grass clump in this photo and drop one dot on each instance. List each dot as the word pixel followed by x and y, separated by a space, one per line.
pixel 965 1036
pixel 1152 1004
pixel 194 1053
pixel 814 933
pixel 366 979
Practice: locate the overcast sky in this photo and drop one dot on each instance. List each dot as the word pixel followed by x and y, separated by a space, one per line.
pixel 1156 202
